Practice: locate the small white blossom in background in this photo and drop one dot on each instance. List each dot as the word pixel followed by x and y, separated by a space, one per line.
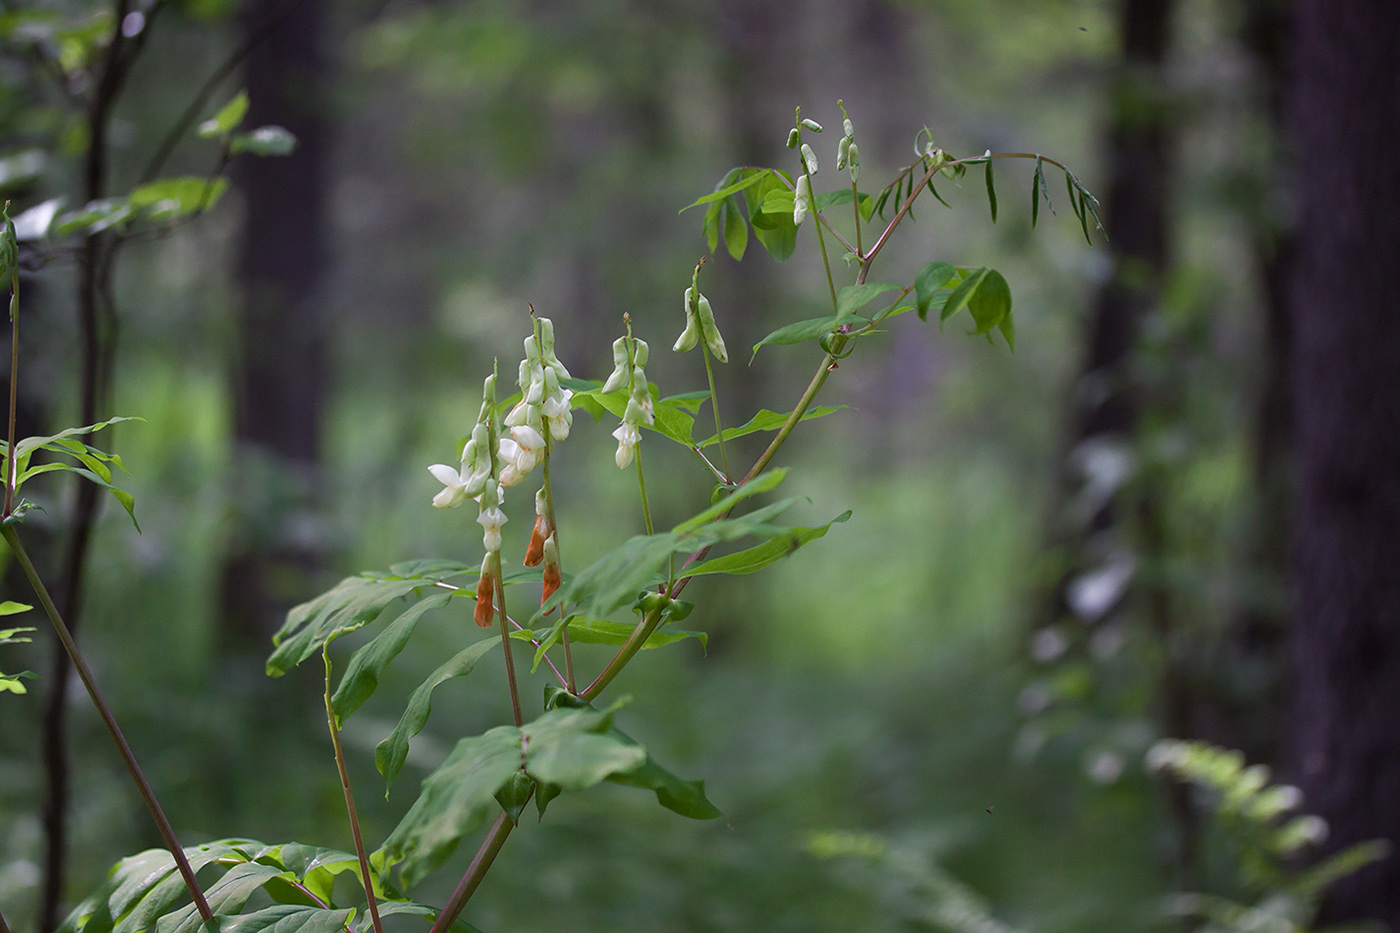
pixel 629 373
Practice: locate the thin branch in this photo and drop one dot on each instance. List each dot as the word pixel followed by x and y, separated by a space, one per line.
pixel 187 119
pixel 349 797
pixel 471 879
pixel 104 711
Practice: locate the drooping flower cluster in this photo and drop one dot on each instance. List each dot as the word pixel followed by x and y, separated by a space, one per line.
pixel 544 406
pixel 479 478
pixel 700 323
pixel 629 358
pixel 544 547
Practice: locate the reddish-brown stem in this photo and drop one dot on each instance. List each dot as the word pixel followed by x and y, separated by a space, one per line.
pixel 104 711
pixel 350 810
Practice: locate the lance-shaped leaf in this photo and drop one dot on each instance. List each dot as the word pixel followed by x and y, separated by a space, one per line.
pixel 749 560
pixel 173 198
pixel 746 178
pixel 962 294
pixel 854 297
pixel 930 280
pixel 155 901
pixel 990 304
pixel 604 632
pixel 800 331
pixel 362 675
pixel 392 752
pixel 350 604
pixel 225 896
pixel 767 420
pixel 365 922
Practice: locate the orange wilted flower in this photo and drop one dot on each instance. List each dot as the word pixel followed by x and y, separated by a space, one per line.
pixel 485 592
pixel 535 552
pixel 551 569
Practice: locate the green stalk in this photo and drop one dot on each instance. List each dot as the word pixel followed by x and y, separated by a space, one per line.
pixel 642 485
pixel 714 406
pixel 471 880
pixel 855 205
pixel 349 796
pixel 105 712
pixel 505 647
pixel 826 263
pixel 554 530
pixel 14 391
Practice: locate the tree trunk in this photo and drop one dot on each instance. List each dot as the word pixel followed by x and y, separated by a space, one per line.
pixel 1346 393
pixel 280 375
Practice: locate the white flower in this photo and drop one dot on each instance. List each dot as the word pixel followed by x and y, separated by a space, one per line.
pixel 491 520
pixel 627 439
pixel 454 482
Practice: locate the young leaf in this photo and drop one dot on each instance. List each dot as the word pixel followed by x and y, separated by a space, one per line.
pixel 227 119
pixel 8 608
pixel 930 279
pixel 776 233
pixel 607 632
pixel 990 303
pixel 747 177
pixel 173 198
pixel 710 225
pixel 288 918
pixel 392 752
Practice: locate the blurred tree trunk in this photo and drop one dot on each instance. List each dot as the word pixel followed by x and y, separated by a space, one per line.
pixel 279 382
pixel 1346 393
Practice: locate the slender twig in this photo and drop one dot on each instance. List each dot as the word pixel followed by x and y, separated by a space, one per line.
pixel 105 712
pixel 11 479
pixel 706 460
pixel 855 204
pixel 714 406
pixel 349 795
pixel 211 84
pixel 4 927
pixel 549 515
pixel 826 264
pixel 505 647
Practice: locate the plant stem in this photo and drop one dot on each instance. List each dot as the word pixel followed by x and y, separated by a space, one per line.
pixel 14 391
pixel 505 647
pixel 481 862
pixel 642 485
pixel 349 795
pixel 714 406
pixel 855 204
pixel 554 530
pixel 105 712
pixel 4 927
pixel 826 263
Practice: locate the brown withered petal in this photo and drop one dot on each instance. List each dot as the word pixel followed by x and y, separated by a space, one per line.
pixel 485 591
pixel 551 583
pixel 535 552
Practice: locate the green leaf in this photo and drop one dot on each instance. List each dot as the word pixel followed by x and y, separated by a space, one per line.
pixel 515 795
pixel 843 196
pixel 736 230
pixel 173 198
pixel 710 225
pixel 352 603
pixel 747 177
pixel 991 191
pixel 1035 194
pixel 93 217
pixel 227 119
pixel 778 201
pixel 614 580
pixel 8 608
pixel 156 901
pixel 288 918
pixel 963 293
pixel 776 233
pixel 990 304
pixel 225 896
pixel 767 420
pixel 930 279
pixel 798 332
pixel 264 141
pixel 365 922
pixel 756 558
pixel 455 801
pixel 607 632
pixel 362 675
pixel 572 749
pixel 390 754
pixel 854 297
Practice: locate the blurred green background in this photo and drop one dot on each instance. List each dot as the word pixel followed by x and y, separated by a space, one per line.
pixel 909 680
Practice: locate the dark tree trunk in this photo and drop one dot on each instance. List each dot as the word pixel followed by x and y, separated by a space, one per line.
pixel 1346 393
pixel 280 371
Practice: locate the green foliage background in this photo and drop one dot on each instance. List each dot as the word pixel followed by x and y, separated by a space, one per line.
pixel 494 153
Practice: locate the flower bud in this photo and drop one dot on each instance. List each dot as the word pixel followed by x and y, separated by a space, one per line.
pixel 486 591
pixel 849 130
pixel 710 330
pixel 841 151
pixel 551 577
pixel 812 125
pixel 853 161
pixel 640 352
pixel 793 137
pixel 618 379
pixel 802 200
pixel 809 159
